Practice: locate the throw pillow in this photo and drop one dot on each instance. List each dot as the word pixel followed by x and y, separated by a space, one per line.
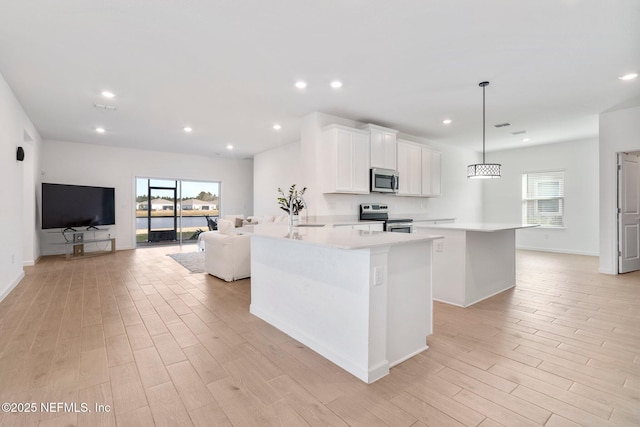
pixel 226 226
pixel 239 222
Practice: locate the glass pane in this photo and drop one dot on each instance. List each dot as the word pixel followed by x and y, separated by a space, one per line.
pixel 549 206
pixel 171 183
pixel 162 203
pixel 544 212
pixel 194 211
pixel 200 205
pixel 548 189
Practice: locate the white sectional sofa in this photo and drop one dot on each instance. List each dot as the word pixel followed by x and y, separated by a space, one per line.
pixel 227 251
pixel 227 254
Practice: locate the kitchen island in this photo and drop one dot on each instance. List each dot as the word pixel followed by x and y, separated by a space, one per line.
pixel 362 299
pixel 474 261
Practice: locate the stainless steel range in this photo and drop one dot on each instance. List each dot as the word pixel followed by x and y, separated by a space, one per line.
pixel 380 212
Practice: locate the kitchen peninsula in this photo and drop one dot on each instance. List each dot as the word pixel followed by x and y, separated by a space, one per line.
pixel 473 262
pixel 362 299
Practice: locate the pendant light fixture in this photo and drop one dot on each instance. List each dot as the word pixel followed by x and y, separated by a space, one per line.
pixel 484 170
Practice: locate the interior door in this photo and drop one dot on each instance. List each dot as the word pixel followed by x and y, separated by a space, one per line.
pixel 628 212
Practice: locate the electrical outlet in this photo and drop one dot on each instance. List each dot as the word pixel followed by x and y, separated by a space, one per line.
pixel 439 245
pixel 378 276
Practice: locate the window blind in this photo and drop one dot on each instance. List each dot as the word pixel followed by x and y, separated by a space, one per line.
pixel 543 198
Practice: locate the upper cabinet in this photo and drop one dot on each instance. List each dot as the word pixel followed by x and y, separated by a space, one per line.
pixel 349 154
pixel 383 146
pixel 346 160
pixel 418 169
pixel 431 165
pixel 409 169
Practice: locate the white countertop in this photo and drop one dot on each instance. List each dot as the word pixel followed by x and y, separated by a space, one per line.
pixel 341 238
pixel 474 226
pixel 418 220
pixel 340 220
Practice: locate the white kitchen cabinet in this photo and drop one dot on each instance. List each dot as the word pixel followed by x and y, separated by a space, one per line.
pixel 409 169
pixel 376 227
pixel 369 227
pixel 431 165
pixel 418 170
pixel 346 160
pixel 363 227
pixel 383 147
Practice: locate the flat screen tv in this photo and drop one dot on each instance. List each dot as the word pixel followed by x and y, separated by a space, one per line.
pixel 69 206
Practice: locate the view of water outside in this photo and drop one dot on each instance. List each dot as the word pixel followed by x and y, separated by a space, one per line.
pixel 188 203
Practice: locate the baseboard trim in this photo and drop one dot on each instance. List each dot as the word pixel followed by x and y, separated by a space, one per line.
pixel 558 251
pixel 12 286
pixel 29 263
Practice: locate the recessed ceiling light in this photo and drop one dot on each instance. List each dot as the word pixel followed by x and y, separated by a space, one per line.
pixel 229 147
pixel 525 140
pixel 108 94
pixel 187 129
pixel 100 130
pixel 447 121
pixel 629 76
pixel 277 127
pixel 301 84
pixel 336 84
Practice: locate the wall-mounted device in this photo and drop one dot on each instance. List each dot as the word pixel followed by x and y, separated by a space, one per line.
pixel 384 180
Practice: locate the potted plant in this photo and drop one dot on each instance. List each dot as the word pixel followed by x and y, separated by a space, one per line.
pixel 292 203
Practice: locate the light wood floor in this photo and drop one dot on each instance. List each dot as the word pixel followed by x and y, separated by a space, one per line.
pixel 138 332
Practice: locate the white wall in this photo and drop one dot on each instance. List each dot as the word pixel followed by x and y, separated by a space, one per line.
pixel 87 164
pixel 619 132
pixel 461 198
pixel 17 216
pixel 279 167
pixel 502 200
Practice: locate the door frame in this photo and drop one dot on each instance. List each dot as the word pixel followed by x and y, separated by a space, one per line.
pixel 618 213
pixel 150 188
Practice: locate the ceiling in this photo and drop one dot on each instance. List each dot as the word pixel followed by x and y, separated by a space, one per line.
pixel 227 68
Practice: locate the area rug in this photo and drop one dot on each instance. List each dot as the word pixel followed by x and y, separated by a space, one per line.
pixel 192 261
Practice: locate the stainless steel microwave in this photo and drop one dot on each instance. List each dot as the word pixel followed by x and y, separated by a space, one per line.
pixel 384 180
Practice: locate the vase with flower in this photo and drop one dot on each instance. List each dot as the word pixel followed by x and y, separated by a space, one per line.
pixel 292 203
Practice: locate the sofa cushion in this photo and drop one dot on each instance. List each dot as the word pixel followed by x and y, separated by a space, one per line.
pixel 226 226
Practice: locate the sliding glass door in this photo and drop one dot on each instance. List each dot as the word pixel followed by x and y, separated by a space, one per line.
pixel 174 211
pixel 200 204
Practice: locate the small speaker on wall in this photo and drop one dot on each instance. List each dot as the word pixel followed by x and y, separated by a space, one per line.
pixel 20 154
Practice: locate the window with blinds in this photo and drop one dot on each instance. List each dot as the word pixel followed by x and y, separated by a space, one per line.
pixel 543 198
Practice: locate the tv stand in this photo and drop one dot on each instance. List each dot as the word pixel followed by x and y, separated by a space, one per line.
pixel 74 248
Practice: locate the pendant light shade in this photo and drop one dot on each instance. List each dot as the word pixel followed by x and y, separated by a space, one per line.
pixel 484 170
